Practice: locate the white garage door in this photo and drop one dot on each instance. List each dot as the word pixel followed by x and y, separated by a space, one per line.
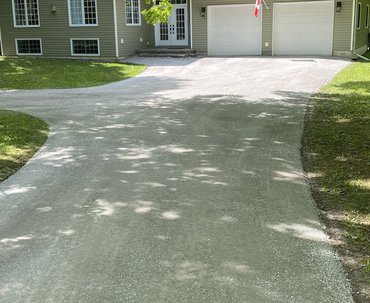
pixel 303 28
pixel 233 30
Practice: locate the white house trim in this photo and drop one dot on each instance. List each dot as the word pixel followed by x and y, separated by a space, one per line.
pixel 1 44
pixel 139 9
pixel 83 24
pixel 115 27
pixel 353 35
pixel 191 22
pixel 27 54
pixel 26 14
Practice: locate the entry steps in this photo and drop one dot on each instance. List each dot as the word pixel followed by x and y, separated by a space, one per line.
pixel 165 52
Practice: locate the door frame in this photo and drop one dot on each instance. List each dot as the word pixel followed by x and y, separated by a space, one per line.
pixel 157 28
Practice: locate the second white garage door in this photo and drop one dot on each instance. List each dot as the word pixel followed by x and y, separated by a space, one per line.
pixel 303 28
pixel 233 30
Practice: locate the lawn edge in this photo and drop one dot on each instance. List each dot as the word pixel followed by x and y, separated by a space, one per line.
pixel 36 152
pixel 334 231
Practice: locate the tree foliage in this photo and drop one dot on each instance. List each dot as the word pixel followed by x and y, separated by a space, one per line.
pixel 158 13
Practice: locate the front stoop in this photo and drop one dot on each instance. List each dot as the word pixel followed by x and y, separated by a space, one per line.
pixel 165 52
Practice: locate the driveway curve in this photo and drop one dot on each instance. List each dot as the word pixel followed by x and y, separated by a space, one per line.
pixel 183 184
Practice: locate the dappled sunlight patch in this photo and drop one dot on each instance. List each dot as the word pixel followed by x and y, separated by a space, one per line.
pixel 16 189
pixel 135 153
pixel 282 160
pixel 162 237
pixel 171 215
pixel 105 208
pixel 295 177
pixel 12 243
pixel 237 267
pixel 229 219
pixel 67 232
pixel 341 159
pixel 128 172
pixel 152 184
pixel 44 209
pixel 360 183
pixel 300 231
pixel 59 156
pixel 213 182
pixel 175 149
pixel 143 207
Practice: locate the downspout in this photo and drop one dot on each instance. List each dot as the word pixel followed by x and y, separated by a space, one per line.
pixel 115 27
pixel 353 31
pixel 191 24
pixel 1 44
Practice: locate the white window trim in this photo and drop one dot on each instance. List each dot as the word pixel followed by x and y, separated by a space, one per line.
pixel 139 8
pixel 84 55
pixel 26 12
pixel 359 8
pixel 82 25
pixel 27 54
pixel 367 16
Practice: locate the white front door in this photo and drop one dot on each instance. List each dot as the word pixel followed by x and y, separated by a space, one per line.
pixel 175 32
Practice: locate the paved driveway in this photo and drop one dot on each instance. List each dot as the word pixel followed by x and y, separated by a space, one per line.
pixel 182 185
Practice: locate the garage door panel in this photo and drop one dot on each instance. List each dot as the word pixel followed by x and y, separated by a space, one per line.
pixel 233 30
pixel 303 28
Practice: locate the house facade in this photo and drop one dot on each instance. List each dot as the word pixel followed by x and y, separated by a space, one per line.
pixel 116 28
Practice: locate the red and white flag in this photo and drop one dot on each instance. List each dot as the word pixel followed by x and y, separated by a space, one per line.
pixel 257 7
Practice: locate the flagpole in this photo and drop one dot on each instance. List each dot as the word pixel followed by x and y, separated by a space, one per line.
pixel 265 4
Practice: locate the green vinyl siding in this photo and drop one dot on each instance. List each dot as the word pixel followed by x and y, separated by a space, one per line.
pixel 131 34
pixel 55 31
pixel 341 35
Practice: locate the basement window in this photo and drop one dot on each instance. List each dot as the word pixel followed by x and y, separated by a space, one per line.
pixel 26 13
pixel 85 47
pixel 28 46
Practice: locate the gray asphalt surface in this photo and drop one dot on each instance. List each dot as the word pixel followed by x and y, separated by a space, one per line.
pixel 183 184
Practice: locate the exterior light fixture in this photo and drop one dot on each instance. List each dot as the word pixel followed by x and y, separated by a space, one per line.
pixel 53 9
pixel 339 6
pixel 203 11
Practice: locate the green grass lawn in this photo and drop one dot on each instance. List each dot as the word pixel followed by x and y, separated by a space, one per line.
pixel 20 137
pixel 27 73
pixel 336 153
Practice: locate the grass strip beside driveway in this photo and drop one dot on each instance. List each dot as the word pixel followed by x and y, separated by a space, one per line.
pixel 27 73
pixel 21 136
pixel 336 155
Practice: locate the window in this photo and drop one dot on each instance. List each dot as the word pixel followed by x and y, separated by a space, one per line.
pixel 28 46
pixel 359 15
pixel 26 13
pixel 367 17
pixel 85 47
pixel 82 13
pixel 133 12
